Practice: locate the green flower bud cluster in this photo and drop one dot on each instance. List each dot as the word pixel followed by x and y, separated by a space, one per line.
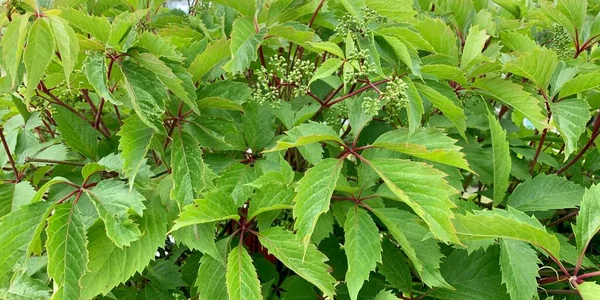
pixel 352 25
pixel 293 82
pixel 371 105
pixel 361 66
pixel 393 99
pixel 465 96
pixel 333 115
pixel 561 42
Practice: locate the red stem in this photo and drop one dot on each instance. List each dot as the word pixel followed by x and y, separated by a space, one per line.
pixel 10 158
pixel 585 148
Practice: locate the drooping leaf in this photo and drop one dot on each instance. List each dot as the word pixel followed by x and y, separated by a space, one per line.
pixel 416 242
pixel 67 253
pixel 13 43
pixel 242 280
pixel 508 224
pixel 115 203
pixel 110 265
pixel 304 259
pixel 515 97
pixel 571 116
pixel 67 44
pixel 453 112
pixel 95 71
pixel 588 219
pixel 519 265
pixel 424 189
pixel 546 192
pixel 146 92
pixel 306 134
pixel 501 161
pixel 395 267
pixel 215 206
pixel 363 249
pixel 190 175
pixel 427 143
pixel 211 281
pixel 474 43
pixel 16 233
pixel 38 52
pixel 215 53
pixel 313 195
pixel 244 44
pixel 134 145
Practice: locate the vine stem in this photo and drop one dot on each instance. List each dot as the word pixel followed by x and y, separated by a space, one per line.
pixel 9 155
pixel 595 132
pixel 362 89
pixel 52 161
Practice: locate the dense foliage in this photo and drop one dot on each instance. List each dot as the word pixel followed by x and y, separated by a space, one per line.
pixel 300 149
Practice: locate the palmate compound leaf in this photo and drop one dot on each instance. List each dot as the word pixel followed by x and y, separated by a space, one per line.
pixel 546 192
pixel 12 44
pixel 115 204
pixel 190 174
pixel 424 189
pixel 426 143
pixel 306 134
pixel 501 162
pixel 588 219
pixel 306 261
pixel 509 224
pixel 110 265
pixel 215 206
pixel 363 248
pixel 242 279
pixel 313 196
pixel 416 242
pixel 519 265
pixel 134 145
pixel 16 232
pixel 67 253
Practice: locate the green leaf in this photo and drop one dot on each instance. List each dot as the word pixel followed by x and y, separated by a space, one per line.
pixel 424 189
pixel 42 190
pixel 363 248
pixel 146 92
pixel 400 10
pixel 215 206
pixel 589 291
pixel 190 175
pixel 16 232
pixel 13 43
pixel 500 159
pixel 199 237
pixel 509 224
pixel 326 69
pixel 574 10
pixel 395 267
pixel 38 53
pixel 571 116
pixel 453 112
pixel 440 36
pixel 517 41
pixel 513 96
pixel 445 72
pixel 546 192
pixel 134 145
pixel 98 27
pixel 110 265
pixel 416 242
pixel 244 44
pixel 386 295
pixel 314 193
pixel 474 44
pixel 415 109
pixel 519 265
pixel 170 80
pixel 67 44
pixel 245 8
pixel 66 246
pixel 77 133
pixel 115 204
pixel 580 84
pixel 426 143
pixel 330 47
pixel 473 276
pixel 242 280
pixel 588 219
pixel 158 46
pixel 306 134
pixel 536 66
pixel 308 263
pixel 215 53
pixel 95 71
pixel 211 281
pixel 270 197
pixel 258 122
